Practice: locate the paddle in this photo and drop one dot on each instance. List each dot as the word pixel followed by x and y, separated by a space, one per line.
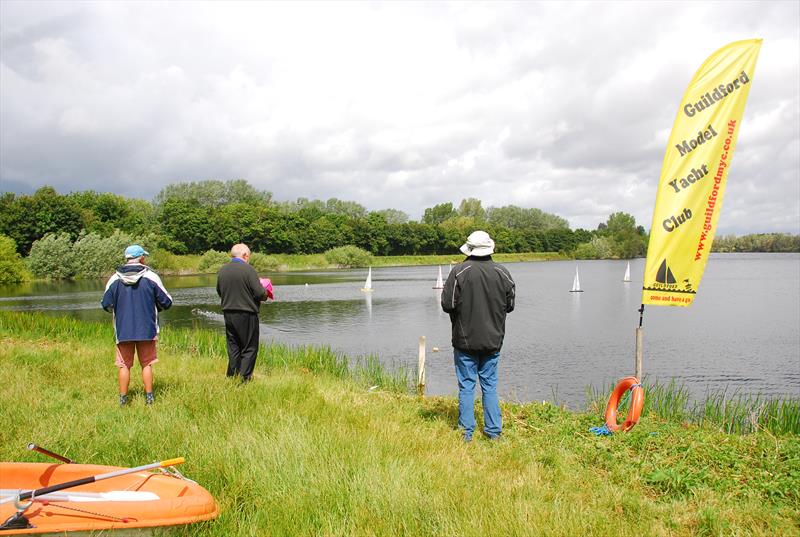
pixel 83 497
pixel 47 452
pixel 91 479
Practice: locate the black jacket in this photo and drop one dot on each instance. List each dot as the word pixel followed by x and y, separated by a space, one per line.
pixel 477 295
pixel 239 287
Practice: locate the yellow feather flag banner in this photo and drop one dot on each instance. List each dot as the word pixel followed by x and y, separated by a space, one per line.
pixel 693 175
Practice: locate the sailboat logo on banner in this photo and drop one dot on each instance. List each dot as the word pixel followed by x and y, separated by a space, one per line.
pixel 665 281
pixel 664 274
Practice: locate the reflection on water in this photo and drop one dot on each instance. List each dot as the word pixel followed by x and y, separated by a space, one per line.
pixel 368 302
pixel 742 332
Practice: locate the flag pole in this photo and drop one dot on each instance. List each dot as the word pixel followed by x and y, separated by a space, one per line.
pixel 639 341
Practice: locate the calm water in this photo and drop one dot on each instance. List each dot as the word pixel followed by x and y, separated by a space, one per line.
pixel 742 332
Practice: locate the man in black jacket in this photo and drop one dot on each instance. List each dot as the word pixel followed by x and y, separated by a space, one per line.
pixel 478 294
pixel 242 293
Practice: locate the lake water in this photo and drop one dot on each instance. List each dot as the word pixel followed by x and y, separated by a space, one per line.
pixel 741 334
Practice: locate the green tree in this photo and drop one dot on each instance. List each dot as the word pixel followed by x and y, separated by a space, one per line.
pixel 393 216
pixel 12 267
pixel 212 193
pixel 235 223
pixel 95 256
pixel 348 257
pixel 438 213
pixel 371 234
pixel 597 248
pixel 514 217
pixel 29 218
pixel 189 224
pixel 104 212
pixel 325 233
pixel 508 240
pixel 280 232
pixel 212 261
pixel 52 257
pixel 456 230
pixel 625 237
pixel 350 209
pixel 471 208
pixel 583 235
pixel 620 223
pixel 558 240
pixel 413 238
pixel 533 240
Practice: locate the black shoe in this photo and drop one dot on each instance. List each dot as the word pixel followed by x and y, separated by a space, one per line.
pixel 149 398
pixel 123 399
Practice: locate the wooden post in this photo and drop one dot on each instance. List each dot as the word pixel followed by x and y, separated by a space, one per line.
pixel 421 367
pixel 639 352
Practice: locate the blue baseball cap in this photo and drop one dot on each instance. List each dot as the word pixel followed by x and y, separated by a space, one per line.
pixel 134 251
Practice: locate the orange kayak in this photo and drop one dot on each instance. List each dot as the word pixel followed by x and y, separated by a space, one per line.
pixel 134 500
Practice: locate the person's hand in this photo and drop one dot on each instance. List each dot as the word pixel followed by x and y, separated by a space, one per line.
pixel 267 284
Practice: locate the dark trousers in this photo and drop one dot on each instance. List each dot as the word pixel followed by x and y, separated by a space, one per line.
pixel 241 335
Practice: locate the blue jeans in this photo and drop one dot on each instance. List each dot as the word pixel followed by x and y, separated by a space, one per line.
pixel 468 369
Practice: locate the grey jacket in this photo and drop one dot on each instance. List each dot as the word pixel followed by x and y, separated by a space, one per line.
pixel 239 288
pixel 478 294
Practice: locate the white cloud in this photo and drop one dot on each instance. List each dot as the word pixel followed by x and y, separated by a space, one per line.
pixel 562 106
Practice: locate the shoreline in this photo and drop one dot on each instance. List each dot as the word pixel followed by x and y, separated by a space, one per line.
pixel 303 262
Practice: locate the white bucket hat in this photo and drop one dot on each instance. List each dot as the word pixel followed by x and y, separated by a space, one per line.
pixel 479 244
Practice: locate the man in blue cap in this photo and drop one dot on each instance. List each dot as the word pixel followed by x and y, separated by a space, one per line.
pixel 135 295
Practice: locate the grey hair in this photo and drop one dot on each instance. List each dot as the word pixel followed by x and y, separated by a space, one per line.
pixel 240 250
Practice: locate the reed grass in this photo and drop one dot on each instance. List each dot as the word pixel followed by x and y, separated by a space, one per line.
pixel 731 413
pixel 365 370
pixel 311 447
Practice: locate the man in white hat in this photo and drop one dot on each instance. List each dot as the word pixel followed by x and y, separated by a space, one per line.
pixel 478 294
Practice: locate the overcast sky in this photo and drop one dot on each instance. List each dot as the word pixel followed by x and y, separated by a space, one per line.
pixel 565 106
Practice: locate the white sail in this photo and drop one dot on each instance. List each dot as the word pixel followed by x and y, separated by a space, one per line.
pixel 627 276
pixel 439 282
pixel 368 283
pixel 576 283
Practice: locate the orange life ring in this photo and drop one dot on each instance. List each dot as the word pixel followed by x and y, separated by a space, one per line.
pixel 637 402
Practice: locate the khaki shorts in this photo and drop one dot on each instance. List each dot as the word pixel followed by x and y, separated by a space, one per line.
pixel 146 350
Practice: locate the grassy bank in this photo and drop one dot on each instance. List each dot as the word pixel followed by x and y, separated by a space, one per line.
pixel 167 263
pixel 308 448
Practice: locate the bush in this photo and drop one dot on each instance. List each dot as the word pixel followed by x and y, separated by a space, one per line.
pixel 597 248
pixel 348 257
pixel 97 256
pixel 163 260
pixel 52 257
pixel 264 262
pixel 159 242
pixel 212 260
pixel 12 268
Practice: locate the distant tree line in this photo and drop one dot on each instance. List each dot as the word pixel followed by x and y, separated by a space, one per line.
pixel 198 217
pixel 192 218
pixel 760 242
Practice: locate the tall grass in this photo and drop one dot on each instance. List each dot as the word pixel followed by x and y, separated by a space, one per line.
pixel 207 343
pixel 731 413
